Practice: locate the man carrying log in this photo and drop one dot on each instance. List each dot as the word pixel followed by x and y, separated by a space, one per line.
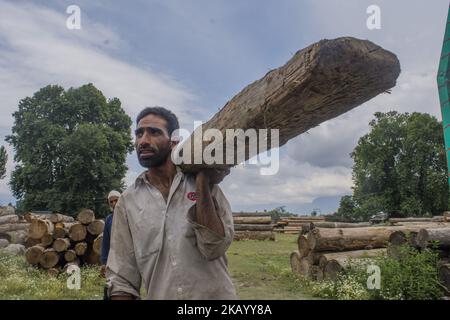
pixel 170 230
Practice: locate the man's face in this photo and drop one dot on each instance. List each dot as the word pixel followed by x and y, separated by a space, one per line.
pixel 152 144
pixel 112 202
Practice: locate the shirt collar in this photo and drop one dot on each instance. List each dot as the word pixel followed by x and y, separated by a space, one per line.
pixel 142 178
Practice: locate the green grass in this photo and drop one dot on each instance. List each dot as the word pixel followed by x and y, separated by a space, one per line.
pixel 21 281
pixel 260 270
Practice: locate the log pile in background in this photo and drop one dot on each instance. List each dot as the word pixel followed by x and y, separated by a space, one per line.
pixel 324 252
pixel 297 224
pixel 56 241
pixel 434 236
pixel 253 227
pixel 418 220
pixel 13 230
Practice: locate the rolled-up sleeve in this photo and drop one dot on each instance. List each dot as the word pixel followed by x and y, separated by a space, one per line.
pixel 210 244
pixel 122 273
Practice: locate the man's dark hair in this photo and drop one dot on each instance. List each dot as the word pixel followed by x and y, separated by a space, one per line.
pixel 169 116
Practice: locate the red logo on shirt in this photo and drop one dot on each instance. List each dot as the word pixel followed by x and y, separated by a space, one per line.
pixel 192 196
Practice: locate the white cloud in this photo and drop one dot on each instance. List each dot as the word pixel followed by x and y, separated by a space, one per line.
pixel 36 49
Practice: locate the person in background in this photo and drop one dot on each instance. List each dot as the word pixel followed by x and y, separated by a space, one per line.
pixel 113 197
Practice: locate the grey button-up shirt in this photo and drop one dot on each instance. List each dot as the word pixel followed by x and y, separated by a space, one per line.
pixel 160 245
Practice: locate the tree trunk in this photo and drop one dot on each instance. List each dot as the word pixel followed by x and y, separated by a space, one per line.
pixel 339 225
pixel 30 242
pixel 75 262
pixel 347 239
pixel 7 210
pixel 253 227
pixel 338 262
pixel 59 233
pixel 47 240
pixel 15 237
pixel 34 253
pixel 97 245
pixel 417 219
pixel 77 232
pixel 39 228
pixel 444 276
pixel 49 258
pixel 295 262
pixel 61 244
pixel 57 217
pixel 252 220
pixel 303 247
pixel 30 216
pixel 441 236
pixel 306 267
pixel 70 255
pixel 86 216
pixel 348 255
pixel 80 248
pixel 9 219
pixel 254 235
pixel 319 83
pixel 96 227
pixel 251 214
pixel 14 227
pixel 3 243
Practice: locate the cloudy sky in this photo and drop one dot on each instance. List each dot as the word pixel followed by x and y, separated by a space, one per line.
pixel 192 56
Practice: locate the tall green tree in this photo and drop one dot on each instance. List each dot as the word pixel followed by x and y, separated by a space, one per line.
pixel 70 149
pixel 400 167
pixel 3 161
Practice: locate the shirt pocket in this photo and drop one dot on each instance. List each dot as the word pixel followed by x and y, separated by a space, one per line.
pixel 147 236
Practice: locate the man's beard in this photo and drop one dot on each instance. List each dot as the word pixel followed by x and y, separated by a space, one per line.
pixel 157 159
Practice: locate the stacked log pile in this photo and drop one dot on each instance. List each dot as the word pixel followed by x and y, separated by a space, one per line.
pixel 433 236
pixel 296 224
pixel 253 227
pixel 324 252
pixel 57 241
pixel 13 230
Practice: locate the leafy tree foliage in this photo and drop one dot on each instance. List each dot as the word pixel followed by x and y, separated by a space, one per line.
pixel 70 149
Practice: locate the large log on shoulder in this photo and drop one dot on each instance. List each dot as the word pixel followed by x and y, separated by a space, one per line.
pixel 318 83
